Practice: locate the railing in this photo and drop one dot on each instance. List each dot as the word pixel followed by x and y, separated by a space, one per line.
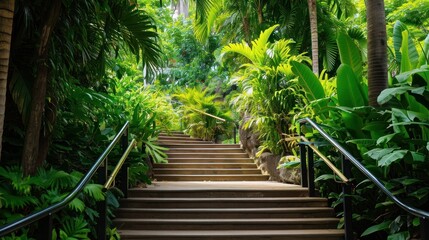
pixel 234 133
pixel 307 156
pixel 45 216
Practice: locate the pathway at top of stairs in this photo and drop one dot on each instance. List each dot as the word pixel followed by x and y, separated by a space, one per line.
pixel 213 191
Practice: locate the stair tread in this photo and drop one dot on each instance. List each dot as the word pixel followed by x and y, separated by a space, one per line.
pixel 227 233
pixel 280 209
pixel 232 220
pixel 234 199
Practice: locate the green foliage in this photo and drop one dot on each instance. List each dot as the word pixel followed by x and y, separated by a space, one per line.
pixel 48 187
pixel 267 88
pixel 193 103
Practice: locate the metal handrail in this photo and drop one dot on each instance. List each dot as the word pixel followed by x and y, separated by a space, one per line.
pixel 208 114
pixel 416 212
pixel 49 211
pixel 118 167
pixel 423 215
pixel 343 178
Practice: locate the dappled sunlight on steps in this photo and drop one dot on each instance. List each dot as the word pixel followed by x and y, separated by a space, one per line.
pixel 206 194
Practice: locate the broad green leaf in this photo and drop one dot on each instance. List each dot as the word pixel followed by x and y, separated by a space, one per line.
pixel 400 40
pixel 325 177
pixel 424 58
pixel 392 157
pixel 379 227
pixel 403 76
pixel 350 54
pixel 348 88
pixel 399 236
pixel 378 153
pixel 389 93
pixel 386 138
pixel 307 80
pixel 406 63
pixel 291 164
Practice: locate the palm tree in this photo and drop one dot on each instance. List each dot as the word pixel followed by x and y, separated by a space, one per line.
pixel 377 49
pixel 312 9
pixel 66 53
pixel 6 20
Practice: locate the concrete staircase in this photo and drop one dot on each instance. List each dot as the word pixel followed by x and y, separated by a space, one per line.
pixel 212 191
pixel 192 159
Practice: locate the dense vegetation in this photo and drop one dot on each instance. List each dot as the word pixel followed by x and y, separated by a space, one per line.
pixel 79 69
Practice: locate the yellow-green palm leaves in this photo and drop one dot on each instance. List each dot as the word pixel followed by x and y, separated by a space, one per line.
pixel 267 85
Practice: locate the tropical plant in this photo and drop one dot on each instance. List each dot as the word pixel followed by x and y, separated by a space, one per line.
pixel 392 142
pixel 26 194
pixel 267 88
pixel 201 114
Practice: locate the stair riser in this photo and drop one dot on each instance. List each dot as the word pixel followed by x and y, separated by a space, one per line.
pixel 181 138
pixel 199 146
pixel 187 142
pixel 174 135
pixel 208 155
pixel 207 165
pixel 209 160
pixel 147 225
pixel 221 204
pixel 198 150
pixel 206 171
pixel 222 215
pixel 211 178
pixel 216 194
pixel 237 237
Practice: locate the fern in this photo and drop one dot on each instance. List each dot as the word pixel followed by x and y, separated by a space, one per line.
pixel 95 191
pixel 74 228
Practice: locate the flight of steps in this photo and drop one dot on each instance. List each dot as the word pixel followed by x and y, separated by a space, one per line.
pixel 192 159
pixel 204 209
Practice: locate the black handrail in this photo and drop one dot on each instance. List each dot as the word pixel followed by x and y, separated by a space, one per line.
pixel 423 215
pixel 49 211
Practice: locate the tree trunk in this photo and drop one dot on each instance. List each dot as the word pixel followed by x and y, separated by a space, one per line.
pixel 246 29
pixel 377 49
pixel 34 124
pixel 260 7
pixel 6 21
pixel 312 10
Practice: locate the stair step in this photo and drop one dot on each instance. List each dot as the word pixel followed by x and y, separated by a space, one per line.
pixel 202 145
pixel 174 134
pixel 227 224
pixel 208 155
pixel 164 142
pixel 216 165
pixel 200 171
pixel 199 150
pixel 181 138
pixel 208 160
pixel 214 177
pixel 216 213
pixel 304 234
pixel 267 202
pixel 217 193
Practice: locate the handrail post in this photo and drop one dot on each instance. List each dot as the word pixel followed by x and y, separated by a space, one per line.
pixel 45 227
pixel 303 156
pixel 424 228
pixel 347 200
pixel 311 188
pixel 235 133
pixel 124 170
pixel 102 205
